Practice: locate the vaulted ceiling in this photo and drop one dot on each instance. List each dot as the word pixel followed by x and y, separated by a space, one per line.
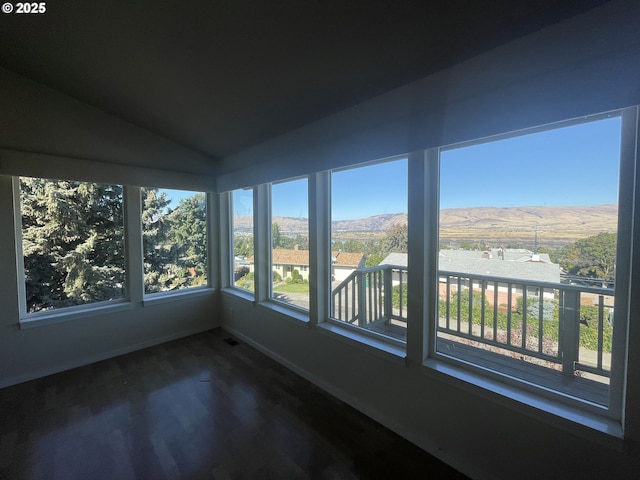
pixel 220 76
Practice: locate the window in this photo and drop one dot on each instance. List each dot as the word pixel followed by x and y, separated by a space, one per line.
pixel 174 230
pixel 72 243
pixel 527 260
pixel 242 236
pixel 369 248
pixel 290 242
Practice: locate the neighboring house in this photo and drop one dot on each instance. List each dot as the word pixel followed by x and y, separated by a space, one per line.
pixel 286 261
pixel 502 263
pixel 343 263
pixel 497 262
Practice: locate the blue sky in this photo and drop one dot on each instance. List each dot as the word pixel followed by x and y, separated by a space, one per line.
pixel 371 190
pixel 577 165
pixel 242 203
pixel 176 195
pixel 570 166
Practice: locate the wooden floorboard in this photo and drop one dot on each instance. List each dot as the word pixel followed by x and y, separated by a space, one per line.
pixel 195 408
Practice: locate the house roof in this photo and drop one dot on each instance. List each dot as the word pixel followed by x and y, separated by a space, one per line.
pixel 347 259
pixel 290 257
pixel 517 263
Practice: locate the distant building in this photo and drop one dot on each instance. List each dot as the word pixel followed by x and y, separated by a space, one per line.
pixel 505 263
pixel 286 261
pixel 343 263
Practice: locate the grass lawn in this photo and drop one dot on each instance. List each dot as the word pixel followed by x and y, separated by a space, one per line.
pixel 292 288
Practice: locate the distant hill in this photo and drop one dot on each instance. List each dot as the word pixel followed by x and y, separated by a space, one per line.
pixel 555 225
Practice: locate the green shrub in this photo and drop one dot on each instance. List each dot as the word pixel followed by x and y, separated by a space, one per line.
pixel 395 296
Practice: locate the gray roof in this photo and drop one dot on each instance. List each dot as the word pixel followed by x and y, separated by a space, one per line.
pixel 517 263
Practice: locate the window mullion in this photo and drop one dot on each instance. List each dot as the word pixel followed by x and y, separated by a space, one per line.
pixel 134 262
pixel 262 241
pixel 423 252
pixel 12 295
pixel 319 246
pixel 628 221
pixel 214 246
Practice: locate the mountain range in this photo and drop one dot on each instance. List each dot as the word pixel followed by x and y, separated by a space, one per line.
pixel 552 224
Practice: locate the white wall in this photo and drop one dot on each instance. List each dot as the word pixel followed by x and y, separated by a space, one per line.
pixel 586 65
pixel 45 133
pixel 483 435
pixel 37 119
pixel 579 67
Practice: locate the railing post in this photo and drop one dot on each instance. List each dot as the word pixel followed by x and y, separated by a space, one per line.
pixel 570 330
pixel 388 293
pixel 362 299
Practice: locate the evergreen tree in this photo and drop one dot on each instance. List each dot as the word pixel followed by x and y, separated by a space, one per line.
pixel 155 245
pixel 73 242
pixel 188 237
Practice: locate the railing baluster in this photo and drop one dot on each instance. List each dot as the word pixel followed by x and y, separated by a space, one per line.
pixel 600 329
pixel 459 292
pixel 496 299
pixel 483 291
pixel 400 289
pixel 470 327
pixel 540 319
pixel 523 325
pixel 354 297
pixel 448 302
pixel 362 300
pixel 509 316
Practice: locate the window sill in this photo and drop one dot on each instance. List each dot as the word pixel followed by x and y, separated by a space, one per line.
pixel 289 312
pixel 368 343
pixel 164 297
pixel 72 313
pixel 598 428
pixel 236 292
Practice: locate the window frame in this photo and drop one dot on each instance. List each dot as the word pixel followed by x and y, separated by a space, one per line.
pixel 28 319
pixel 485 378
pixel 251 295
pixel 362 334
pixel 270 297
pixel 157 297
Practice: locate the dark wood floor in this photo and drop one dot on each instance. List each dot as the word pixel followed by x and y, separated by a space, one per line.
pixel 195 408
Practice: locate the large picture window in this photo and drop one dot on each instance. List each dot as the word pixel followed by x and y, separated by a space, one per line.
pixel 528 235
pixel 290 242
pixel 242 238
pixel 174 230
pixel 72 243
pixel 369 246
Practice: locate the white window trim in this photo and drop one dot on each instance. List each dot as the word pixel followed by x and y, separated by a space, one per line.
pixel 608 419
pixel 279 305
pixel 227 235
pixel 133 214
pixel 577 416
pixel 134 267
pixel 74 312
